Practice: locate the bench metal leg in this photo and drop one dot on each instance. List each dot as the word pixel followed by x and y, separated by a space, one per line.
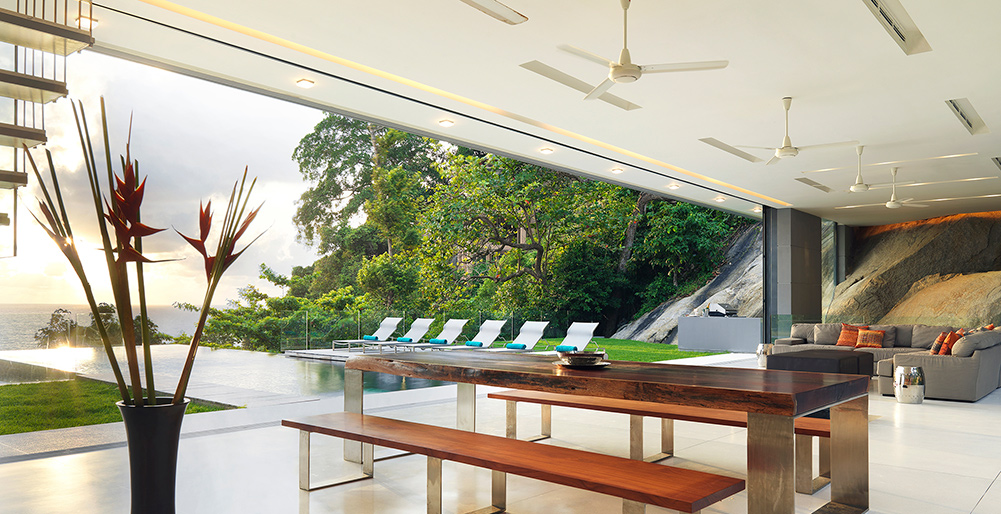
pixel 631 507
pixel 636 439
pixel 434 485
pixel 805 481
pixel 368 467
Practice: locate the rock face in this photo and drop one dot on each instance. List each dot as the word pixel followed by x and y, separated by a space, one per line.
pixel 911 261
pixel 738 283
pixel 953 300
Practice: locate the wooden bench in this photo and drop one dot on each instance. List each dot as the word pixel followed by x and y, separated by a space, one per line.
pixel 637 483
pixel 805 428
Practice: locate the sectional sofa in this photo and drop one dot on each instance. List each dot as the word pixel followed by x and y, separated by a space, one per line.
pixel 972 372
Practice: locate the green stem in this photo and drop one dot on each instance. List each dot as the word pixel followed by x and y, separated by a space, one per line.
pixel 123 300
pixel 182 382
pixel 106 339
pixel 147 355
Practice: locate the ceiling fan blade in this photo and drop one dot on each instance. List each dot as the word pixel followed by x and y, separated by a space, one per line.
pixel 863 205
pixel 729 149
pixel 588 56
pixel 684 66
pixel 773 160
pixel 827 145
pixel 577 84
pixel 769 148
pixel 600 89
pixel 497 10
pixel 885 185
pixel 915 205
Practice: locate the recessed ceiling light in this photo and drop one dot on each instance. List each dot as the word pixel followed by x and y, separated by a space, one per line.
pixel 757 208
pixel 719 199
pixel 86 23
pixel 446 123
pixel 672 186
pixel 305 83
pixel 617 171
pixel 546 151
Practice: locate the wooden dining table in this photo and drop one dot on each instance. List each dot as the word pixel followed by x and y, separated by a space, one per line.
pixel 771 398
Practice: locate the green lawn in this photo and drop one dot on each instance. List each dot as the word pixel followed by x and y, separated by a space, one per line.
pixel 628 350
pixel 68 403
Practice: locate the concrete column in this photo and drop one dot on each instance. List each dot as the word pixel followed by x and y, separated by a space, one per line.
pixel 792 274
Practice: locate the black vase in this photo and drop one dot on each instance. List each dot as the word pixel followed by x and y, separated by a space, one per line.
pixel 153 432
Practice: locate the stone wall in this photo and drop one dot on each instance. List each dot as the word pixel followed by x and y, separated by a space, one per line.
pixel 938 271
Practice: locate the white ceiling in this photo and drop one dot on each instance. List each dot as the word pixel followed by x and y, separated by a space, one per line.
pixel 410 64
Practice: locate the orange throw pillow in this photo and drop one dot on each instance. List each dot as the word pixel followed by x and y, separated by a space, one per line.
pixel 937 345
pixel 870 338
pixel 849 335
pixel 950 341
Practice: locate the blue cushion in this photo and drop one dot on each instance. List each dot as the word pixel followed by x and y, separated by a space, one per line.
pixel 515 346
pixel 473 343
pixel 404 340
pixel 370 338
pixel 438 341
pixel 566 348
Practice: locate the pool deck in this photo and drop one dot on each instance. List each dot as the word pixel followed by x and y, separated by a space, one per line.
pixel 937 457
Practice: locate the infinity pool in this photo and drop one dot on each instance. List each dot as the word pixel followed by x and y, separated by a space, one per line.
pixel 234 368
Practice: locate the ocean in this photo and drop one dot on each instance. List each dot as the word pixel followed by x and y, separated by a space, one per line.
pixel 18 323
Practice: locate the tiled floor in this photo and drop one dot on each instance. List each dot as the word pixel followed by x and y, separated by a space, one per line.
pixel 938 457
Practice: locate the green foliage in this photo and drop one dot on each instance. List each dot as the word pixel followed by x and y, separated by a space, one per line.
pixel 68 403
pixel 584 282
pixel 638 351
pixel 59 331
pixel 389 280
pixel 338 159
pixel 394 209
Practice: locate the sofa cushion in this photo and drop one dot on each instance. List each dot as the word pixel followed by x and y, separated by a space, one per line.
pixel 826 333
pixel 978 341
pixel 884 367
pixel 849 335
pixel 937 345
pixel 870 339
pixel 803 331
pixel 903 334
pixel 950 340
pixel 923 335
pixel 889 334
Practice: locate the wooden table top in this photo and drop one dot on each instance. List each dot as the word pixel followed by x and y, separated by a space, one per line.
pixel 788 393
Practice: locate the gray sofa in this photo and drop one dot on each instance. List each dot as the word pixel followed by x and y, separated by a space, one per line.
pixel 823 336
pixel 972 372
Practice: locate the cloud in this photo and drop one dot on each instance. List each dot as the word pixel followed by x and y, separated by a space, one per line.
pixel 193 140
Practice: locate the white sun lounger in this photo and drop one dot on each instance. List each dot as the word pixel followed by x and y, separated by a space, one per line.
pixel 489 331
pixel 449 333
pixel 579 335
pixel 529 335
pixel 417 330
pixel 386 329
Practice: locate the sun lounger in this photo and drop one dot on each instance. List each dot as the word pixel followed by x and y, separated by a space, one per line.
pixel 579 335
pixel 449 333
pixel 528 337
pixel 417 330
pixel 489 331
pixel 386 329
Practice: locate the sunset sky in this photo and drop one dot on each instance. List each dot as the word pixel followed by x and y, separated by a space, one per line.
pixel 193 140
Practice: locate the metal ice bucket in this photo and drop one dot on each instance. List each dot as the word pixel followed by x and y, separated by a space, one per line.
pixel 909 384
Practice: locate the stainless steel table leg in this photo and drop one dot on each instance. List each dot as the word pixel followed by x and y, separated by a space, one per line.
pixel 353 403
pixel 850 454
pixel 466 408
pixel 770 464
pixel 367 468
pixel 547 421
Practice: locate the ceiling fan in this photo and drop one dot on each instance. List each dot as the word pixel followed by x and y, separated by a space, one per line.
pixel 497 10
pixel 894 203
pixel 859 186
pixel 624 70
pixel 785 151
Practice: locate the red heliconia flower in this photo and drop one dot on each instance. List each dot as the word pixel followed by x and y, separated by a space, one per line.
pixel 123 211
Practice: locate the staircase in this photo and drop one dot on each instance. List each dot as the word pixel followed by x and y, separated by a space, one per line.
pixel 38 34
